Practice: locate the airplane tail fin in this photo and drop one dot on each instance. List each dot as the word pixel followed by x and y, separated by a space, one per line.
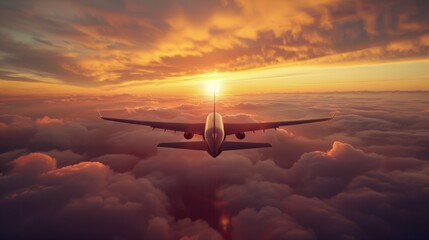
pixel 243 145
pixel 214 106
pixel 214 99
pixel 202 146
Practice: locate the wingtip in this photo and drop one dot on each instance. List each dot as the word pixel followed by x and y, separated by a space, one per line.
pixel 99 114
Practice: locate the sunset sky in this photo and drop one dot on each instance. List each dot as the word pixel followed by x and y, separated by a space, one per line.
pixel 67 174
pixel 140 47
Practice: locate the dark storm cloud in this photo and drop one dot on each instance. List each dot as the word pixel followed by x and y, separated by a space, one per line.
pixel 109 42
pixel 72 175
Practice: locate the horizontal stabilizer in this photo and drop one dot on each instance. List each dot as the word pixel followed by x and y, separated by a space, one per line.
pixel 186 145
pixel 243 145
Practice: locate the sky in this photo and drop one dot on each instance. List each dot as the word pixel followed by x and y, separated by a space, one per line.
pixel 67 174
pixel 132 46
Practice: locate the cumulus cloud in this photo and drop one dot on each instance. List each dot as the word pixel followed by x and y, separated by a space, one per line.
pixel 118 162
pixel 268 223
pixel 48 120
pixel 362 175
pixel 57 199
pixel 311 199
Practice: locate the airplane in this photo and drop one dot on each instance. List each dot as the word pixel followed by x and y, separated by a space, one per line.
pixel 214 132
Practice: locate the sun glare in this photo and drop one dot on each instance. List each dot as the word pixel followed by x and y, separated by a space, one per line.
pixel 213 87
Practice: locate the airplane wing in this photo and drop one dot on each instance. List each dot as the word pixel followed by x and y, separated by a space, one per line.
pixel 233 128
pixel 195 128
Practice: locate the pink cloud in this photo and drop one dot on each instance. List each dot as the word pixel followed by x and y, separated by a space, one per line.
pixel 48 120
pixel 34 163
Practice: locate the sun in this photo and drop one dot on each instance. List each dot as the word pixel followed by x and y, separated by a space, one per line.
pixel 213 87
pixel 211 83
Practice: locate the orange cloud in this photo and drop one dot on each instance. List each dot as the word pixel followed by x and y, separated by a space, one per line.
pixel 34 163
pixel 103 43
pixel 48 120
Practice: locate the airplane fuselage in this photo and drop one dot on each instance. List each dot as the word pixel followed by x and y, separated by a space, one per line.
pixel 214 133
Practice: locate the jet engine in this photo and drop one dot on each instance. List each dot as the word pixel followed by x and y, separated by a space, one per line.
pixel 188 135
pixel 240 136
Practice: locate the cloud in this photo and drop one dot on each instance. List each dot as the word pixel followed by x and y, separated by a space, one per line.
pixel 362 175
pixel 92 43
pixel 268 223
pixel 186 229
pixel 329 179
pixel 34 163
pixel 65 158
pixel 319 179
pixel 118 162
pixel 89 188
pixel 48 120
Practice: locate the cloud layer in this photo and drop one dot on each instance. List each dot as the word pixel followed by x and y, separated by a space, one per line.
pixel 363 175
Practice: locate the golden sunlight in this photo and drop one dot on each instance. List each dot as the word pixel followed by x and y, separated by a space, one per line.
pixel 213 85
